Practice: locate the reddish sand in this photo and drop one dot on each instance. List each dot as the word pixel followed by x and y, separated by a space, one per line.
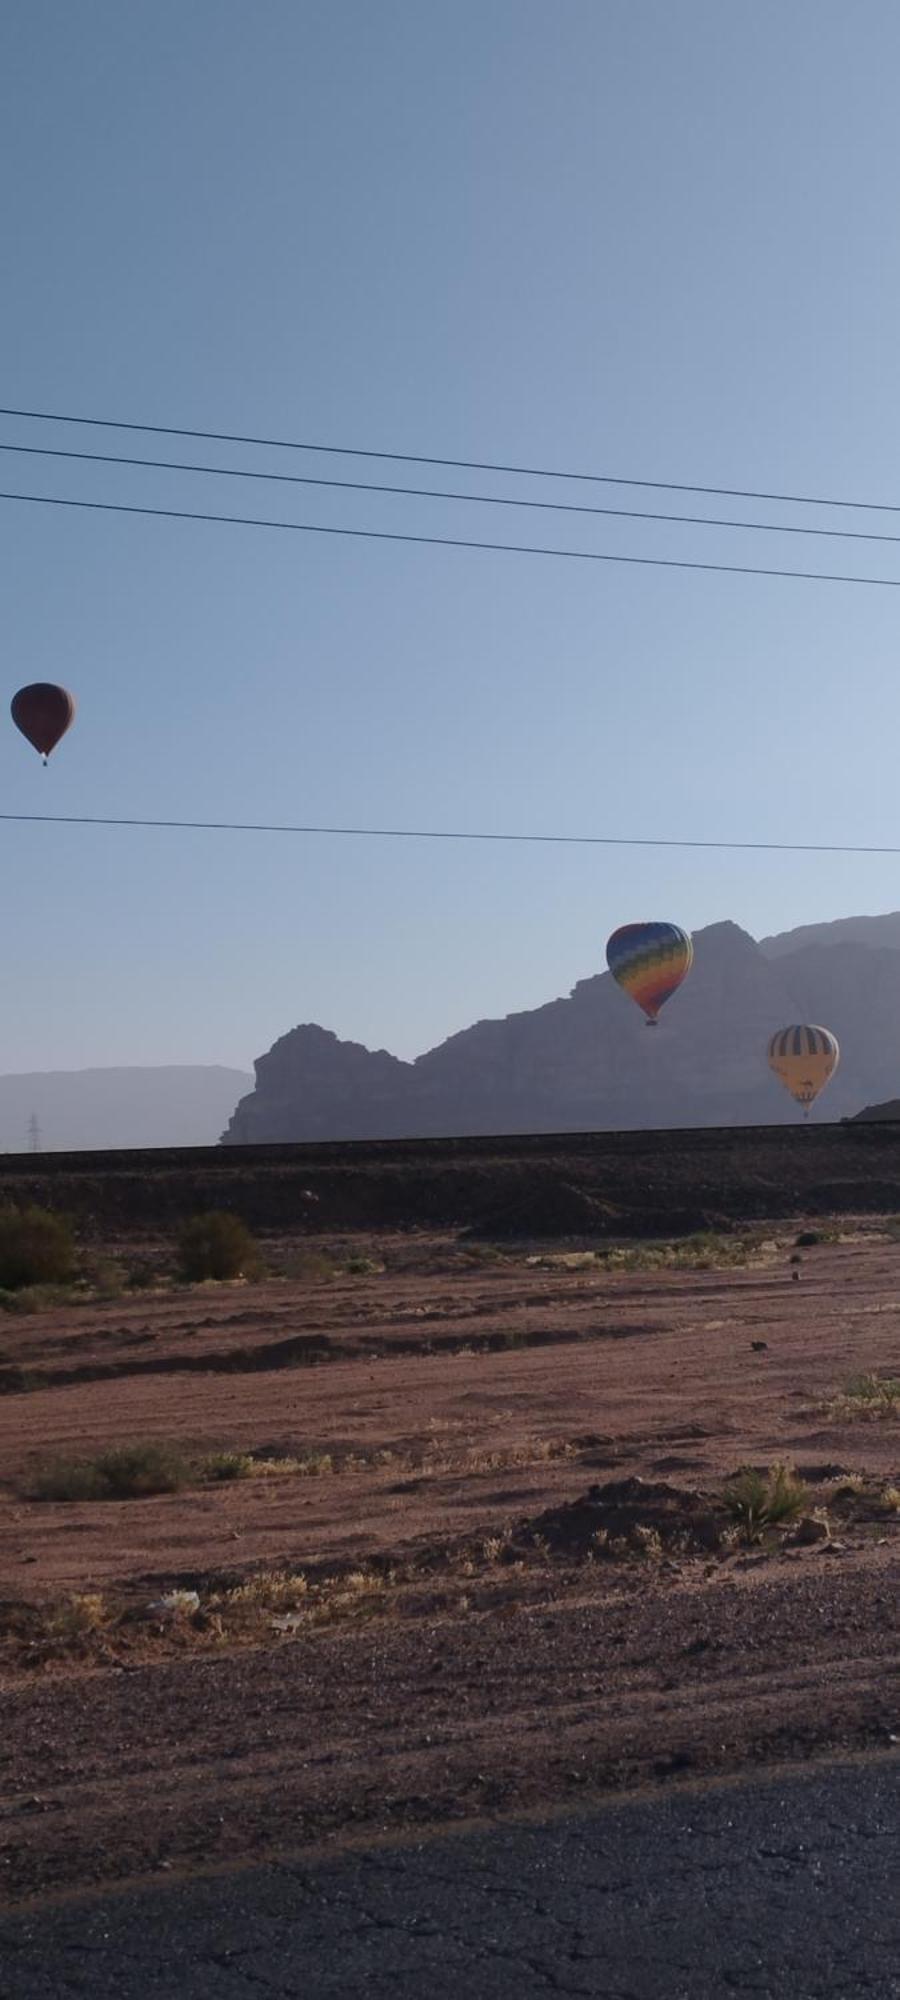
pixel 454 1406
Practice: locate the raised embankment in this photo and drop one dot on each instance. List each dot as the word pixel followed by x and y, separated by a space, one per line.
pixel 568 1184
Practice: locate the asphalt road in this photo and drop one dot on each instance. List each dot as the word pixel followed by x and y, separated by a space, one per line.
pixel 785 1887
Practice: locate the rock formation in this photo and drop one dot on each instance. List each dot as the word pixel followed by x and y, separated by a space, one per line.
pixel 588 1062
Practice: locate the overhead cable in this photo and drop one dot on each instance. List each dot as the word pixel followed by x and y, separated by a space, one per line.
pixel 441 833
pixel 441 493
pixel 451 541
pixel 457 464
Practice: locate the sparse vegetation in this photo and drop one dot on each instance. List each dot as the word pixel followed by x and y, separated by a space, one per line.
pixel 706 1250
pixel 267 1590
pixel 37 1247
pixel 287 1594
pixel 482 1253
pixel 759 1500
pixel 140 1277
pixel 105 1277
pixel 130 1472
pixel 307 1266
pixel 872 1397
pixel 249 1467
pixel 226 1465
pixel 35 1298
pixel 83 1613
pixel 849 1486
pixel 127 1472
pixel 647 1543
pixel 217 1245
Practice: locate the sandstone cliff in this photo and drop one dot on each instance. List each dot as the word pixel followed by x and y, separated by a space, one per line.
pixel 587 1062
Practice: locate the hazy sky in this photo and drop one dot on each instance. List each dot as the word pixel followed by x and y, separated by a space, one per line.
pixel 614 235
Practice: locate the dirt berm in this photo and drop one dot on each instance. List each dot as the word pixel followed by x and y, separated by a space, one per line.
pixel 570 1184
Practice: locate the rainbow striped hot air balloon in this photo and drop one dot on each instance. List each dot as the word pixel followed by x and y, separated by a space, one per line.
pixel 649 961
pixel 803 1059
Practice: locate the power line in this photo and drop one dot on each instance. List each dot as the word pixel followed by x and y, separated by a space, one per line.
pixel 451 541
pixel 449 834
pixel 457 464
pixel 440 493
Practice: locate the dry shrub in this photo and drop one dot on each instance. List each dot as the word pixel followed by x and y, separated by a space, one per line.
pixel 227 1465
pixel 105 1276
pixel 217 1245
pixel 141 1276
pixel 36 1248
pixel 875 1396
pixel 82 1613
pixel 267 1590
pixel 34 1298
pixel 127 1472
pixel 309 1266
pixel 849 1486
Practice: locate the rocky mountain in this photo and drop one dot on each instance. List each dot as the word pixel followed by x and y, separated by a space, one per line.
pixel 79 1110
pixel 588 1062
pixel 843 930
pixel 879 1114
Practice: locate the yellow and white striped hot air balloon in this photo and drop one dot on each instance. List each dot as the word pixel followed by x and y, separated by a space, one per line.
pixel 803 1059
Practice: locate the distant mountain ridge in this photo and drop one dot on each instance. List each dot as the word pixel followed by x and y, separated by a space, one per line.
pixel 587 1062
pixel 877 931
pixel 86 1109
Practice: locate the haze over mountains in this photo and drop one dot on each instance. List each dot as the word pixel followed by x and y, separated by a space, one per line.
pixel 83 1109
pixel 585 1062
pixel 588 1061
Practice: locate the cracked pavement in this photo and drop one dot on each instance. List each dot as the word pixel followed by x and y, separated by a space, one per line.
pixel 784 1889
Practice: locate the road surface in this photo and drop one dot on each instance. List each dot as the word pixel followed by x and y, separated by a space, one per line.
pixel 783 1889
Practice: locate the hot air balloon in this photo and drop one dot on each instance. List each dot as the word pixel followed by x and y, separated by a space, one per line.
pixel 650 961
pixel 804 1058
pixel 43 712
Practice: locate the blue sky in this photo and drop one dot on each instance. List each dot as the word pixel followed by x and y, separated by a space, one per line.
pixel 632 238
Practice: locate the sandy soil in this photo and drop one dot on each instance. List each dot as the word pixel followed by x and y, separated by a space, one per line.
pixel 468 1669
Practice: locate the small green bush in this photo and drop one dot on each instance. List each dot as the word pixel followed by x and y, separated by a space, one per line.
pixel 217 1245
pixel 758 1500
pixel 36 1248
pixel 127 1472
pixel 229 1465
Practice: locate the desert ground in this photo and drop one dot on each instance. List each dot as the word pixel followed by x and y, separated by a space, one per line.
pixel 457 1530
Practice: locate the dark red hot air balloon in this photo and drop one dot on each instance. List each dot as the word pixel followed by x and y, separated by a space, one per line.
pixel 43 712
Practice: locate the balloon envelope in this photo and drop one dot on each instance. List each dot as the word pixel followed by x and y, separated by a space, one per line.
pixel 649 961
pixel 43 712
pixel 803 1059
